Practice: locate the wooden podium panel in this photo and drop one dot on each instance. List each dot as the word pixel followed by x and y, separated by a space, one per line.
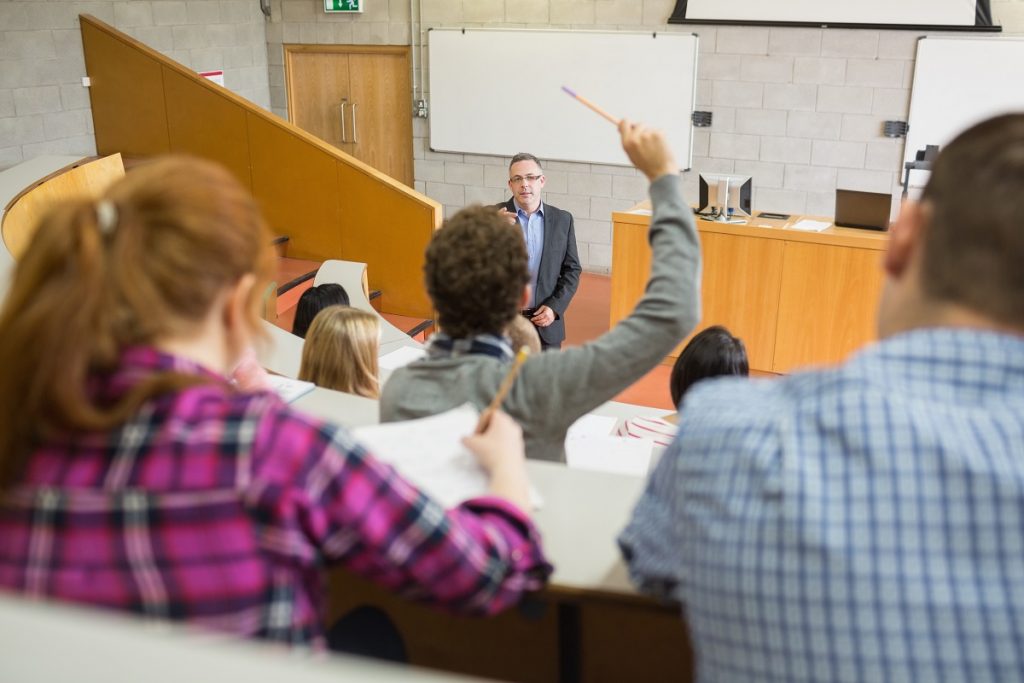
pixel 740 289
pixel 795 298
pixel 828 302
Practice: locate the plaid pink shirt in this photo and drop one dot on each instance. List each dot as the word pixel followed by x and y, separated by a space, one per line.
pixel 220 508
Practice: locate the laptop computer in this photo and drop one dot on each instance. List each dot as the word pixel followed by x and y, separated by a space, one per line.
pixel 869 210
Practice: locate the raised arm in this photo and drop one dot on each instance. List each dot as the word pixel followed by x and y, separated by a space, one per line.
pixel 566 385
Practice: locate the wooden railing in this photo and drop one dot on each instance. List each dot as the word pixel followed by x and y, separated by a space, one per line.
pixel 328 203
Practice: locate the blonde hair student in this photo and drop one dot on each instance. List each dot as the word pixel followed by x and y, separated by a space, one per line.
pixel 135 476
pixel 341 351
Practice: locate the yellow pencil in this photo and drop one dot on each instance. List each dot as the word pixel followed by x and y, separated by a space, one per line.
pixel 588 103
pixel 506 384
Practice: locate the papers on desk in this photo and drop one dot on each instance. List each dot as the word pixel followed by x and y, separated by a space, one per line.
pixel 289 389
pixel 640 212
pixel 400 357
pixel 589 445
pixel 808 225
pixel 615 454
pixel 429 453
pixel 592 425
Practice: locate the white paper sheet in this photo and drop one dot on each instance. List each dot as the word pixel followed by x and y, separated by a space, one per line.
pixel 289 389
pixel 592 425
pixel 808 225
pixel 429 453
pixel 400 357
pixel 615 454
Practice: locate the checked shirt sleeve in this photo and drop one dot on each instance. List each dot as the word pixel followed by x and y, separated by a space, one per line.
pixel 350 508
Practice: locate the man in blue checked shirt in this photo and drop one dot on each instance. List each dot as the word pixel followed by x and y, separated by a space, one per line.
pixel 866 522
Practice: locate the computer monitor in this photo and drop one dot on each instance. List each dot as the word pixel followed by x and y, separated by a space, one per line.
pixel 728 197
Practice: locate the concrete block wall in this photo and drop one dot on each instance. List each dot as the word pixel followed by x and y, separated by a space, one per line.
pixel 44 109
pixel 801 110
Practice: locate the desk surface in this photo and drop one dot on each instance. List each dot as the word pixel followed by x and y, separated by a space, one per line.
pixel 49 642
pixel 770 229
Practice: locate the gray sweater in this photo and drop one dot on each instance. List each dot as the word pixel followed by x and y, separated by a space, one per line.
pixel 556 388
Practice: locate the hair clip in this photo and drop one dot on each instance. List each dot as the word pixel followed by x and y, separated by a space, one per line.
pixel 106 216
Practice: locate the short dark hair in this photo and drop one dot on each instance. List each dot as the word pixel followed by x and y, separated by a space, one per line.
pixel 974 240
pixel 314 300
pixel 711 353
pixel 475 271
pixel 525 156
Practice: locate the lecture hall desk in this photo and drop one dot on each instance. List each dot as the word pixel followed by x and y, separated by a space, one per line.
pixel 795 298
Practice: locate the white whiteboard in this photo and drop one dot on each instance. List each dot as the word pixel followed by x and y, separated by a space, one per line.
pixel 907 12
pixel 959 82
pixel 499 91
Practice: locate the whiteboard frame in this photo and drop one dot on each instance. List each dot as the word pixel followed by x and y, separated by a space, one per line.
pixel 593 138
pixel 931 93
pixel 679 16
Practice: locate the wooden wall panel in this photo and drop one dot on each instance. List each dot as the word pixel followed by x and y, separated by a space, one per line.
pixel 389 233
pixel 740 289
pixel 631 266
pixel 635 643
pixel 297 186
pixel 128 109
pixel 294 175
pixel 827 305
pixel 220 133
pixel 518 645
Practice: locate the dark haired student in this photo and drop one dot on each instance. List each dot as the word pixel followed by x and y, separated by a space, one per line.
pixel 134 476
pixel 478 279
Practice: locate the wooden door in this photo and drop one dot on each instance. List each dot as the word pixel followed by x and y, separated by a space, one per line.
pixel 318 94
pixel 358 98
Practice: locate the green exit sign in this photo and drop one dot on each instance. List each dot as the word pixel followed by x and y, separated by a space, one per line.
pixel 343 5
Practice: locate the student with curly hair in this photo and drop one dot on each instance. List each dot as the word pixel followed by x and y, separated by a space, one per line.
pixel 478 279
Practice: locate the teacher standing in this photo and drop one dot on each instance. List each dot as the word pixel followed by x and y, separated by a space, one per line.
pixel 551 248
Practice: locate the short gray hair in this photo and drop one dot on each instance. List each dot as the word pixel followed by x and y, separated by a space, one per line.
pixel 525 156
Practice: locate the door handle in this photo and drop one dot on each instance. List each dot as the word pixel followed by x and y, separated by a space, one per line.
pixel 342 107
pixel 355 133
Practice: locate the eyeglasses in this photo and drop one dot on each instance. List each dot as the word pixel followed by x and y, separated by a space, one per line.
pixel 518 179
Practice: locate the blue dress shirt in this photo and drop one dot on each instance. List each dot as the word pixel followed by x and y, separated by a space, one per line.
pixel 861 523
pixel 533 233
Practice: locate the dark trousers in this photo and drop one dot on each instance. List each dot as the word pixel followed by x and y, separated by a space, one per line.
pixel 369 632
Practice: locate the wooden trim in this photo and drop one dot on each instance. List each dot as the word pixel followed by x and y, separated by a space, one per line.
pixel 347 49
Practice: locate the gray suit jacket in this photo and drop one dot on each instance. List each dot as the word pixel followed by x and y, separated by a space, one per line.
pixel 559 272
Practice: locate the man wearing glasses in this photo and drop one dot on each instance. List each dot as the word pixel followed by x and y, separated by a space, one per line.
pixel 550 245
